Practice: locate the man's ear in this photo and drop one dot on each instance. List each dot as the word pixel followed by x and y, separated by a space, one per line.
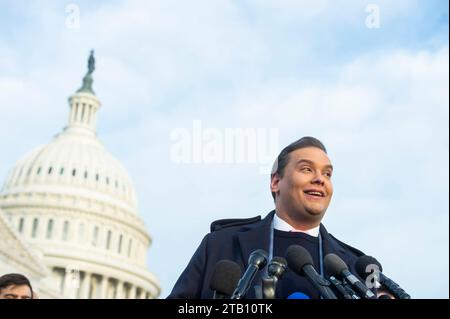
pixel 274 183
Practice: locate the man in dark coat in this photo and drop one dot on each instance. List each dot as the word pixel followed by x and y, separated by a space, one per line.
pixel 302 189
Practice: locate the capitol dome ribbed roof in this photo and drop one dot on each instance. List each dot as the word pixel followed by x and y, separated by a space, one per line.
pixel 75 163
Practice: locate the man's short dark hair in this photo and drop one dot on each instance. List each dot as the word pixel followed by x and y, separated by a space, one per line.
pixel 283 158
pixel 14 279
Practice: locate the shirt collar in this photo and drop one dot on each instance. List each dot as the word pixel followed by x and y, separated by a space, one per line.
pixel 282 225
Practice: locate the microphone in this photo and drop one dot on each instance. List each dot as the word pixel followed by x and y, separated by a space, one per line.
pixel 256 261
pixel 275 270
pixel 346 291
pixel 298 295
pixel 224 278
pixel 335 266
pixel 349 290
pixel 362 269
pixel 300 261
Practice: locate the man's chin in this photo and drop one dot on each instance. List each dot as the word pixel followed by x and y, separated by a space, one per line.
pixel 316 213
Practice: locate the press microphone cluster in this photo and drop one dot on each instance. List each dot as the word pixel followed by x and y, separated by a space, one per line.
pixel 227 281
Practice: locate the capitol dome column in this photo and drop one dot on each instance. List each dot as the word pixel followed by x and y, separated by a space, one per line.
pixel 132 294
pixel 85 286
pixel 104 287
pixel 119 293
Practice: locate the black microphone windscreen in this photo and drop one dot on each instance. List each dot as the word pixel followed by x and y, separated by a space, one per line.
pixel 277 266
pixel 258 258
pixel 278 260
pixel 362 263
pixel 225 277
pixel 334 265
pixel 297 257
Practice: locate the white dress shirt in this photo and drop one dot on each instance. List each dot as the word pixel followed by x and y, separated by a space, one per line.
pixel 282 225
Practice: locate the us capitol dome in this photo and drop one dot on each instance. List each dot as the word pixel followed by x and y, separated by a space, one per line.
pixel 68 215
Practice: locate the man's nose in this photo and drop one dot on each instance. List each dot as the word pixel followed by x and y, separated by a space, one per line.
pixel 318 179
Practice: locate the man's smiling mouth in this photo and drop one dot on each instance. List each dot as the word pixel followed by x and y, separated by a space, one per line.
pixel 315 193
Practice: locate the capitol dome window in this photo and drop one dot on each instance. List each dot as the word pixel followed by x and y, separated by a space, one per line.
pixel 35 228
pixel 74 172
pixel 107 180
pixel 21 223
pixel 61 171
pixel 119 250
pixel 38 170
pixel 50 170
pixel 97 177
pixel 49 229
pixel 85 174
pixel 108 240
pixel 65 230
pixel 95 236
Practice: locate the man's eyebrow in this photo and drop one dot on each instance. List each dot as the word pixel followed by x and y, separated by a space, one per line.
pixel 300 161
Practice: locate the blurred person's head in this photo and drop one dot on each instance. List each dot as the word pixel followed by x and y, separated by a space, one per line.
pixel 15 286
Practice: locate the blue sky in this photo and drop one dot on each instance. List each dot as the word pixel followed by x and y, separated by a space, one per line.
pixel 378 98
